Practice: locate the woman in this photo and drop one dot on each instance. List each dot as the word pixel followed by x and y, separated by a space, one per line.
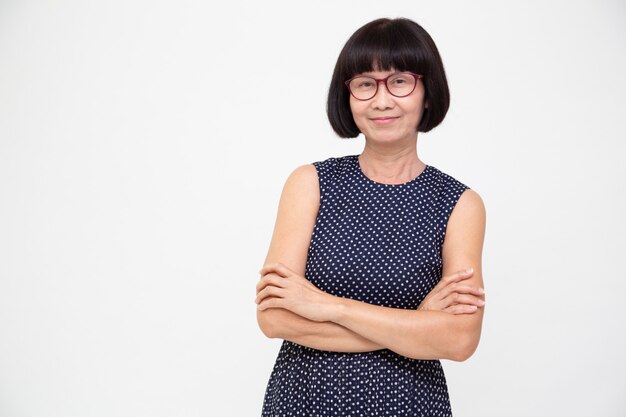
pixel 365 279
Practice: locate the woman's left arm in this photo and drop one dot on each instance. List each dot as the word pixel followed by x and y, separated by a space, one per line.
pixel 431 334
pixel 417 334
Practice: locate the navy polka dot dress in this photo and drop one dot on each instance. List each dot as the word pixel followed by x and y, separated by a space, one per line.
pixel 380 244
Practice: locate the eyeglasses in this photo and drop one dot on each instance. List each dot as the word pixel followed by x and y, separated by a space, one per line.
pixel 399 84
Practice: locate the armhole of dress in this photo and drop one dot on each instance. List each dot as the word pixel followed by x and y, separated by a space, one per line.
pixel 321 181
pixel 453 199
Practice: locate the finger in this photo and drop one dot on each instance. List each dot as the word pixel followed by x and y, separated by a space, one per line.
pixel 270 302
pixel 456 298
pixel 469 289
pixel 461 309
pixel 460 288
pixel 270 279
pixel 268 291
pixel 277 267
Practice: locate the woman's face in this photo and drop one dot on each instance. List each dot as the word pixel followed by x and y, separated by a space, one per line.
pixel 385 118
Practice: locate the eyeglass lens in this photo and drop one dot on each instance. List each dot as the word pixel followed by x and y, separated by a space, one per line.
pixel 399 85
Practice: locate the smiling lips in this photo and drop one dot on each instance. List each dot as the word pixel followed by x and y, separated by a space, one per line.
pixel 383 120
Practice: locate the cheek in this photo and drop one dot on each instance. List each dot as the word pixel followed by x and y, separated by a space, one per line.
pixel 358 108
pixel 415 110
pixel 357 112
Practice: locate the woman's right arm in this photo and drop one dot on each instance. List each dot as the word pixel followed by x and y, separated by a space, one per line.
pixel 297 213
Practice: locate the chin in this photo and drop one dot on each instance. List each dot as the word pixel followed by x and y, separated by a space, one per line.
pixel 386 137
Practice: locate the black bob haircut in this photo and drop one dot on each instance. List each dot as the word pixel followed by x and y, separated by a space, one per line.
pixel 386 44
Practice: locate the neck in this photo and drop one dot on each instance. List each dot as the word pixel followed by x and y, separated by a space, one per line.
pixel 391 165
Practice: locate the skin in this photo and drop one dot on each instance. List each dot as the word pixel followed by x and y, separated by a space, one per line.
pixel 448 323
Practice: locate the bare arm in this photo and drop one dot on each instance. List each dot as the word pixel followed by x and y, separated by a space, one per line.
pixel 297 212
pixel 430 334
pixel 318 335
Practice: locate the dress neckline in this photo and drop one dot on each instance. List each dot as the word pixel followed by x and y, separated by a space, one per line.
pixel 419 176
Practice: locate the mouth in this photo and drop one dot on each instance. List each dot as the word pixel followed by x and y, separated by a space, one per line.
pixel 383 120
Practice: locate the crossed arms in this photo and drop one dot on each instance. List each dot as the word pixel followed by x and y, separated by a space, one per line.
pixel 354 326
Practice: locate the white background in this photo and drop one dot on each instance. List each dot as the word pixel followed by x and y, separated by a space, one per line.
pixel 144 145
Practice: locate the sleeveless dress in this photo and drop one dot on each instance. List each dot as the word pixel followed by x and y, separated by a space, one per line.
pixel 380 244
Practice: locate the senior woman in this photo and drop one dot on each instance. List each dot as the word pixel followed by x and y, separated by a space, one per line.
pixel 373 273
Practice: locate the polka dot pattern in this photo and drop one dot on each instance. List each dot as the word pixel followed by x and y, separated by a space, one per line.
pixel 380 244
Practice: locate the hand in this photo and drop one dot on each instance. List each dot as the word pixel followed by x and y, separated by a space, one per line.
pixel 451 296
pixel 280 287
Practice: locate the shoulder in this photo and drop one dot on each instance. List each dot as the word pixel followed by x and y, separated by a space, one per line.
pixel 466 206
pixel 303 174
pixel 306 180
pixel 461 202
pixel 468 198
pixel 332 166
pixel 330 171
pixel 447 183
pixel 303 182
pixel 470 208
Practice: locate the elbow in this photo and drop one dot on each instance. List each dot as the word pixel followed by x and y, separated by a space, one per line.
pixel 464 348
pixel 265 324
pixel 268 332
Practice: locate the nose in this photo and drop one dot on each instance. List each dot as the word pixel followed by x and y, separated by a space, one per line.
pixel 383 98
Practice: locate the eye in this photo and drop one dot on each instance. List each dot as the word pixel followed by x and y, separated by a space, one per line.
pixel 399 80
pixel 363 84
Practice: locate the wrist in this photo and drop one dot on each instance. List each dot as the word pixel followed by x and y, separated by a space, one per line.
pixel 340 305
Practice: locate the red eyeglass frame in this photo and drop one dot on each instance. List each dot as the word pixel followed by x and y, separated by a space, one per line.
pixel 383 80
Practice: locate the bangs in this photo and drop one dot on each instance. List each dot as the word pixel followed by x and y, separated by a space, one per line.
pixel 383 49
